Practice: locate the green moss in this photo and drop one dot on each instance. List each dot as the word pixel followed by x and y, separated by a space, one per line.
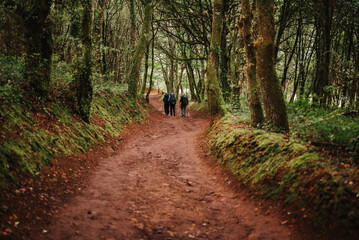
pixel 32 139
pixel 195 106
pixel 303 160
pixel 276 167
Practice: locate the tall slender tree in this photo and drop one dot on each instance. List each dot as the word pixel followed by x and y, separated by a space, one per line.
pixel 144 82
pixel 38 38
pixel 140 49
pixel 324 22
pixel 216 102
pixel 152 64
pixel 272 95
pixel 84 84
pixel 255 106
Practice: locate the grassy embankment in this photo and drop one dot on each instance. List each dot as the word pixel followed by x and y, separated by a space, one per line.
pixel 277 166
pixel 322 183
pixel 30 139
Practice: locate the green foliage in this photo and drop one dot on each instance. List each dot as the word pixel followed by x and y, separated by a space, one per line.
pixel 109 87
pixel 276 166
pixel 323 125
pixel 11 77
pixel 62 80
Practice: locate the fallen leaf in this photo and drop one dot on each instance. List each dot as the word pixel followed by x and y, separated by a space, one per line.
pixel 250 236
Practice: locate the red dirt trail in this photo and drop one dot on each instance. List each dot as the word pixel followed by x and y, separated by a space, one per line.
pixel 158 185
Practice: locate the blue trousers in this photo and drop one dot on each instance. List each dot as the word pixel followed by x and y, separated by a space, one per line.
pixel 167 108
pixel 173 109
pixel 183 111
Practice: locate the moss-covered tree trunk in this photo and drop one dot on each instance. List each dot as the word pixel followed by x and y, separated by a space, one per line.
pixel 144 83
pixel 152 66
pixel 224 58
pixel 84 84
pixel 272 95
pixel 202 80
pixel 255 106
pixel 140 50
pixel 216 103
pixel 102 42
pixel 38 46
pixel 133 22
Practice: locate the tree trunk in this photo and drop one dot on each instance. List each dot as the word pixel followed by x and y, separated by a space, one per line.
pixel 324 38
pixel 180 79
pixel 165 76
pixel 152 66
pixel 84 85
pixel 140 50
pixel 171 75
pixel 287 63
pixel 255 106
pixel 191 81
pixel 38 46
pixel 177 77
pixel 145 71
pixel 274 105
pixel 203 80
pixel 224 59
pixel 133 22
pixel 101 40
pixel 214 94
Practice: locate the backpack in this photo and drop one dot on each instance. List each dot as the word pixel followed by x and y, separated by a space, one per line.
pixel 172 99
pixel 185 100
pixel 165 98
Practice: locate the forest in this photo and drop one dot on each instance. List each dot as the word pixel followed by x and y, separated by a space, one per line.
pixel 277 80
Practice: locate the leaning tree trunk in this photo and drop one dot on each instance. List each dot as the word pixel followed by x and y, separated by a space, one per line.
pixel 216 103
pixel 140 50
pixel 38 48
pixel 274 105
pixel 84 85
pixel 255 106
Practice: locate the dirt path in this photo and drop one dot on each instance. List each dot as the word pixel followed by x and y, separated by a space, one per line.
pixel 157 186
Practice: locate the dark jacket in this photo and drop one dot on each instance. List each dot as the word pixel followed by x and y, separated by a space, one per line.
pixel 172 99
pixel 166 98
pixel 184 101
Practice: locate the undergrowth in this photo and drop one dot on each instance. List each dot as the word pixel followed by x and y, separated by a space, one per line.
pixel 195 106
pixel 339 127
pixel 281 167
pixel 30 139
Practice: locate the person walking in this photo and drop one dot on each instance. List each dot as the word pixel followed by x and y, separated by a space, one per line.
pixel 184 103
pixel 166 103
pixel 173 101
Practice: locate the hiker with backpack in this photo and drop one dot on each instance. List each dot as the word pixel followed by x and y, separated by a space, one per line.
pixel 172 100
pixel 184 103
pixel 166 103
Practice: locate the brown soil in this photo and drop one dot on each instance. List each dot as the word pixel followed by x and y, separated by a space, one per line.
pixel 155 182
